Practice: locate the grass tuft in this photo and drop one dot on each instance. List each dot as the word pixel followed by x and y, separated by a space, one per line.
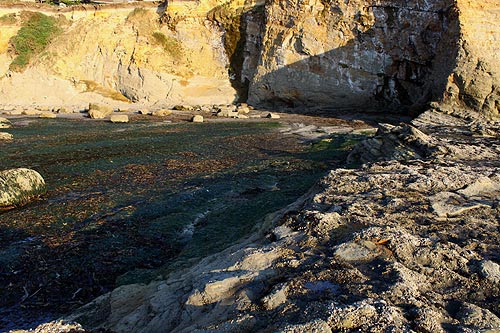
pixel 169 44
pixel 33 37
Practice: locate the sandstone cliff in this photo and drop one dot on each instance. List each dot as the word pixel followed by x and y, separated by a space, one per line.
pixel 377 53
pixel 167 54
pixel 362 53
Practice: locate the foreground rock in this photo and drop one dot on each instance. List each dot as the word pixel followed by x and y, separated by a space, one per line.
pixel 398 246
pixel 5 123
pixel 6 136
pixel 19 186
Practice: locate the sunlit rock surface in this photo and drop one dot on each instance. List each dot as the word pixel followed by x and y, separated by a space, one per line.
pixel 19 186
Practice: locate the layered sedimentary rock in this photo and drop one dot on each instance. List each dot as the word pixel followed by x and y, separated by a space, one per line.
pixel 123 54
pixel 377 53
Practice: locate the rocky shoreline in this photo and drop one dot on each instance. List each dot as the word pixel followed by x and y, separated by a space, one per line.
pixel 400 245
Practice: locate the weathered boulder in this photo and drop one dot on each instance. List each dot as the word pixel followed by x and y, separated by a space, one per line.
pixel 5 123
pixel 98 111
pixel 6 136
pixel 197 119
pixel 227 111
pixel 119 118
pixel 19 186
pixel 47 115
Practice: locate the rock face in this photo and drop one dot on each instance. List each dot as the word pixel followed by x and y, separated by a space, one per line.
pixel 19 186
pixel 396 53
pixel 357 53
pixel 135 56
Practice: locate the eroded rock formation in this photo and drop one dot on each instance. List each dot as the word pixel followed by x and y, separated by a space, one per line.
pixel 377 53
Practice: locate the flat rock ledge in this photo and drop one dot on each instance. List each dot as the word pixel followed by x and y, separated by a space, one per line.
pixel 393 246
pixel 19 186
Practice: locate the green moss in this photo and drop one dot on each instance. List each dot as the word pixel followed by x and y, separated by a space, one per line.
pixel 8 19
pixel 169 44
pixel 34 36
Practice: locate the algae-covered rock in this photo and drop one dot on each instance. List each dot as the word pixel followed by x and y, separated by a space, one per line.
pixel 19 186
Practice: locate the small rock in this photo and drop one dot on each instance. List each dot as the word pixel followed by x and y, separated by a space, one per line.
pixel 62 110
pixel 273 116
pixel 161 113
pixel 47 115
pixel 144 111
pixel 31 112
pixel 6 136
pixel 228 111
pixel 243 110
pixel 97 111
pixel 183 108
pixel 357 251
pixel 490 270
pixel 19 186
pixel 197 119
pixel 4 123
pixel 206 108
pixel 242 116
pixel 119 118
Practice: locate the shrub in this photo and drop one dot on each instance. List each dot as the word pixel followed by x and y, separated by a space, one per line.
pixel 8 19
pixel 33 37
pixel 169 44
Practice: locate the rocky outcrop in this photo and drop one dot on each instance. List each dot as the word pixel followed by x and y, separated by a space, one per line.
pixel 376 53
pixel 125 54
pixel 19 186
pixel 403 142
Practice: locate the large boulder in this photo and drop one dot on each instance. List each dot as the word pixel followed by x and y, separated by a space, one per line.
pixel 19 186
pixel 97 111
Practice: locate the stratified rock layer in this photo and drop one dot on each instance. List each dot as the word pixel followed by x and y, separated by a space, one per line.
pixel 19 186
pixel 374 53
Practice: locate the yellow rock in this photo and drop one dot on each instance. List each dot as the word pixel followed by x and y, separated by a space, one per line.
pixel 162 113
pixel 48 115
pixel 119 118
